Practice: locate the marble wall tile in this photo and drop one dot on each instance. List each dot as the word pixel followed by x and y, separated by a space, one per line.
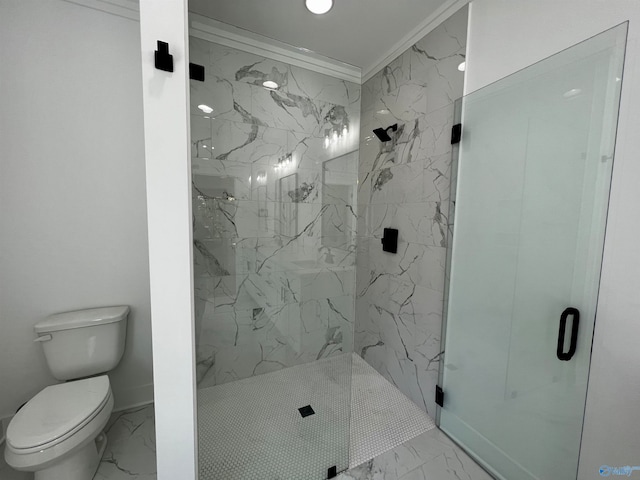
pixel 444 82
pixel 437 180
pixel 416 141
pixel 395 184
pixel 405 146
pixel 397 369
pixel 229 100
pixel 322 87
pixel 446 41
pixel 413 264
pixel 242 343
pixel 252 69
pixel 247 142
pixel 403 104
pixel 405 184
pixel 274 254
pixel 201 137
pixel 293 112
pixel 421 223
pixel 214 177
pixel 437 133
pixel 387 80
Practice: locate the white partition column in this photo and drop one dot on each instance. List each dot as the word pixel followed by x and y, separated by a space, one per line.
pixel 166 118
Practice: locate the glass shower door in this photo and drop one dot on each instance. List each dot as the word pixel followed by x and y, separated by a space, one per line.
pixel 533 186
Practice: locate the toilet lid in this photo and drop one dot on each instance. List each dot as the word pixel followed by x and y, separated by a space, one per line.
pixel 57 410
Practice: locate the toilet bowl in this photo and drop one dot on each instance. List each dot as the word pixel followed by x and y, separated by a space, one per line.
pixel 58 434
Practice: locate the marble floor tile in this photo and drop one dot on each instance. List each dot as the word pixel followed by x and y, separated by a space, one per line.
pixel 131 446
pixel 130 452
pixel 430 456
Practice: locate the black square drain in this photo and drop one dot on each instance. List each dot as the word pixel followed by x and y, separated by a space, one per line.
pixel 306 411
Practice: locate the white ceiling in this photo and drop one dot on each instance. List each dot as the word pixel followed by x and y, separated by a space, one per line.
pixel 362 33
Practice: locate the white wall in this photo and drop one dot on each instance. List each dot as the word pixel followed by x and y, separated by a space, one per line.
pixel 505 36
pixel 73 230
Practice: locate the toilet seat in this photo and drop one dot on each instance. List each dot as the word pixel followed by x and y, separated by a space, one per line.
pixel 78 411
pixel 57 412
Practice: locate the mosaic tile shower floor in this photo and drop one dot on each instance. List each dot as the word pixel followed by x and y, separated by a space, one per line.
pixel 373 413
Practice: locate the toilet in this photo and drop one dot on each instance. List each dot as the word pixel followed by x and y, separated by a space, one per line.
pixel 58 434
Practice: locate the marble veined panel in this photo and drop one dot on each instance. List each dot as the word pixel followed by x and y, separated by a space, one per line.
pixel 227 62
pixel 446 41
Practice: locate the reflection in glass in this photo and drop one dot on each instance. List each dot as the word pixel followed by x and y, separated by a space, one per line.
pixel 274 252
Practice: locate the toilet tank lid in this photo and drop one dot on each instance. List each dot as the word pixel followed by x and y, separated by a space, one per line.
pixel 82 318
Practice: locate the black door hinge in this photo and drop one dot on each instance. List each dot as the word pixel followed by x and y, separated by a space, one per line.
pixel 439 396
pixel 456 133
pixel 332 472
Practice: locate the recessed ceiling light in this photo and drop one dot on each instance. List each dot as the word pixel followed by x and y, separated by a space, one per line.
pixel 270 84
pixel 319 6
pixel 382 112
pixel 462 66
pixel 205 108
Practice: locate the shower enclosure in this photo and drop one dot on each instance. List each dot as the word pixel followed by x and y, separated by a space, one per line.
pixel 274 181
pixel 534 171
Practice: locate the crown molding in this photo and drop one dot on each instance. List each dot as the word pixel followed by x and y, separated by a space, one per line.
pixel 235 37
pixel 430 23
pixel 123 8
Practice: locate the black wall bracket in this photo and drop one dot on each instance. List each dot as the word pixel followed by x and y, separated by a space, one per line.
pixel 332 472
pixel 456 133
pixel 164 60
pixel 390 240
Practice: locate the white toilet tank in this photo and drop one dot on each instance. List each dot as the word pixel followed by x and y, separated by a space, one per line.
pixel 83 343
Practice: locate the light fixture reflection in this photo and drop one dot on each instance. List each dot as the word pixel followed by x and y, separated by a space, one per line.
pixel 462 66
pixel 205 108
pixel 270 84
pixel 572 93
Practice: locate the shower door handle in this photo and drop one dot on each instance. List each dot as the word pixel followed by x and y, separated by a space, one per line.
pixel 575 315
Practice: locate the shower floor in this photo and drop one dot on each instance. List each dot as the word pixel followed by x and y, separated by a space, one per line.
pixel 252 429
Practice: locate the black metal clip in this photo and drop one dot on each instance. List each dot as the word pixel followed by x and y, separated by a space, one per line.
pixel 390 240
pixel 196 72
pixel 456 133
